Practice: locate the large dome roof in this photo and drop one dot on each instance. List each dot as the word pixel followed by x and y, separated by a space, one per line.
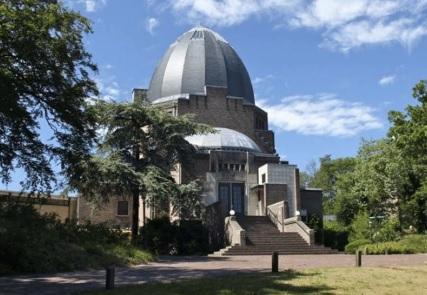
pixel 223 139
pixel 198 58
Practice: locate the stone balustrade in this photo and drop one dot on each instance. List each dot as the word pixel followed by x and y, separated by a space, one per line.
pixel 235 234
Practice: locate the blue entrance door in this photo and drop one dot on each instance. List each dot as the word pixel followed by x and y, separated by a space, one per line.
pixel 224 197
pixel 231 196
pixel 238 197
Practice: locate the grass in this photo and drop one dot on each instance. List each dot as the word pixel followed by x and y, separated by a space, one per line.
pixel 119 254
pixel 398 280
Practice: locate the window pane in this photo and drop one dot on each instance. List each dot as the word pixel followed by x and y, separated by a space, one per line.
pixel 238 195
pixel 224 197
pixel 122 208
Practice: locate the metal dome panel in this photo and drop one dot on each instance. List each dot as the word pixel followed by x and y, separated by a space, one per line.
pixel 223 139
pixel 199 58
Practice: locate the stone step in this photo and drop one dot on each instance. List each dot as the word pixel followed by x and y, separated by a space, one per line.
pixel 272 236
pixel 282 251
pixel 285 252
pixel 305 251
pixel 273 241
pixel 263 247
pixel 277 244
pixel 263 238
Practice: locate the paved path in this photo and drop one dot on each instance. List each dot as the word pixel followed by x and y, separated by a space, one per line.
pixel 175 268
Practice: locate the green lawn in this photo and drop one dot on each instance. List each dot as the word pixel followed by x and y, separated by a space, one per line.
pixel 398 280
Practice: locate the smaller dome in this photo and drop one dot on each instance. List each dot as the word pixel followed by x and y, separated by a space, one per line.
pixel 223 139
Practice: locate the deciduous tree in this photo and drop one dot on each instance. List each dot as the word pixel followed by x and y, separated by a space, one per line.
pixel 44 83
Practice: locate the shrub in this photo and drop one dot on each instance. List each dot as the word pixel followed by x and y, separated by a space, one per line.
pixel 335 235
pixel 388 231
pixel 407 245
pixel 159 236
pixel 188 237
pixel 192 238
pixel 315 222
pixel 417 243
pixel 30 242
pixel 359 228
pixel 387 248
pixel 356 244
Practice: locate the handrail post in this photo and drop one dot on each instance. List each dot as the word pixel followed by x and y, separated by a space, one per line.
pixel 109 278
pixel 275 262
pixel 358 258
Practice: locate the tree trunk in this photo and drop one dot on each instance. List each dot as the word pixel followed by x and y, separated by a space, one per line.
pixel 144 218
pixel 135 197
pixel 135 214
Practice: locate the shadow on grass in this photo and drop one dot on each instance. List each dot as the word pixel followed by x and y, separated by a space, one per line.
pixel 165 279
pixel 195 258
pixel 260 283
pixel 282 283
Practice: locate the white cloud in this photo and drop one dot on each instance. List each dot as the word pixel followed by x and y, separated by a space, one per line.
pixel 259 80
pixel 93 5
pixel 108 88
pixel 151 24
pixel 344 24
pixel 387 80
pixel 321 114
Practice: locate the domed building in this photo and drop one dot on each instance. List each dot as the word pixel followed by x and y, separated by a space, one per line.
pixel 244 181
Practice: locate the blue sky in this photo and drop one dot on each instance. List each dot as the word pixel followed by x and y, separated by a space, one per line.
pixel 327 71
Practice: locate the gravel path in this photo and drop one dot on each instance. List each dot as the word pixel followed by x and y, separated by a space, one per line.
pixel 176 268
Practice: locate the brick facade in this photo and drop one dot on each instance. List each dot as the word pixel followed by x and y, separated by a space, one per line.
pixel 216 109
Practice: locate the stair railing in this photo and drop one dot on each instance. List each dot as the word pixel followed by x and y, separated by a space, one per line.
pixel 276 218
pixel 235 234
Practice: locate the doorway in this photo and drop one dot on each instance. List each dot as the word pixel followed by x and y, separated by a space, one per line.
pixel 232 196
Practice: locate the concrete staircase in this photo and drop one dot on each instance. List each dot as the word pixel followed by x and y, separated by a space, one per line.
pixel 263 238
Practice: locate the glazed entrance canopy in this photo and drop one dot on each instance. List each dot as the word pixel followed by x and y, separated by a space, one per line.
pixel 199 58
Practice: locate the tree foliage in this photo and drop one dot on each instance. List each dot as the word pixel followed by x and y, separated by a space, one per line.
pixel 388 177
pixel 139 149
pixel 327 176
pixel 409 134
pixel 44 82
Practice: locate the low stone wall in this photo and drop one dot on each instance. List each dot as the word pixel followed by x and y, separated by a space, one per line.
pixel 235 234
pixel 276 214
pixel 294 224
pixel 63 207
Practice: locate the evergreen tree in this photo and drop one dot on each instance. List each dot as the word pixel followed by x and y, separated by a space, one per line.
pixel 140 148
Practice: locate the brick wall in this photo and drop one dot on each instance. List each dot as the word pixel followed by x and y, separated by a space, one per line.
pixel 107 212
pixel 218 110
pixel 311 200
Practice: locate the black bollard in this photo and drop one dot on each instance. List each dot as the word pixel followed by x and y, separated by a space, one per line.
pixel 358 258
pixel 275 262
pixel 109 279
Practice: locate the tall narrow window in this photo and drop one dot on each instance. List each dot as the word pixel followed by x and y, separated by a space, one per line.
pixel 122 208
pixel 263 178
